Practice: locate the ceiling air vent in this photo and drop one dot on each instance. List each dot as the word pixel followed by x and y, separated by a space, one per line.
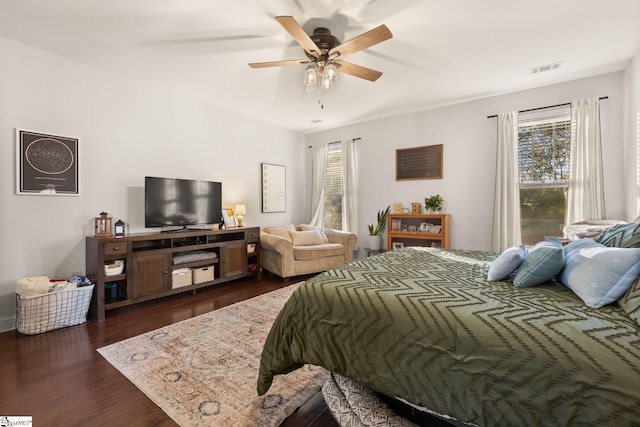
pixel 543 68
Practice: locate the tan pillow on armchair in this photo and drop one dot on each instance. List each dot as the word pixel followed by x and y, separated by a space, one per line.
pixel 281 231
pixel 306 238
pixel 306 227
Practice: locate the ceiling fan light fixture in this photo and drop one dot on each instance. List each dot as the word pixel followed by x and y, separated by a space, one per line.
pixel 331 71
pixel 310 76
pixel 322 49
pixel 326 83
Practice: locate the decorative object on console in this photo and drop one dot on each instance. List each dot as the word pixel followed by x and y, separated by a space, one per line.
pixel 416 208
pixel 227 217
pixel 46 164
pixel 433 203
pixel 397 208
pixel 119 228
pixel 102 225
pixel 241 211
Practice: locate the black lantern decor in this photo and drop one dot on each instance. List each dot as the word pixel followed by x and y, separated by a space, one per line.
pixel 118 228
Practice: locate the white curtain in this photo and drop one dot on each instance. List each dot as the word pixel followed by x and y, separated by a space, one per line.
pixel 585 199
pixel 506 207
pixel 350 188
pixel 318 170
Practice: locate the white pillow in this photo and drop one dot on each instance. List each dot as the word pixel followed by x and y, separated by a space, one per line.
pixel 306 238
pixel 506 263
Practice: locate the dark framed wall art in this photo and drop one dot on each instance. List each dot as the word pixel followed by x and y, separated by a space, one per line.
pixel 46 164
pixel 274 188
pixel 419 163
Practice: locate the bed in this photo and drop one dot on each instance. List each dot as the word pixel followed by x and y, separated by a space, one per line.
pixel 424 325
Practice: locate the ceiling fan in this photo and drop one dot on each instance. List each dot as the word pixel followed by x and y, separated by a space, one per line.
pixel 324 52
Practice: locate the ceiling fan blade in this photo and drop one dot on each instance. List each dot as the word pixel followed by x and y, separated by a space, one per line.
pixel 363 41
pixel 278 63
pixel 358 71
pixel 296 31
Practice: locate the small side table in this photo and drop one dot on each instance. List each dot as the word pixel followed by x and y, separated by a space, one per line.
pixel 369 252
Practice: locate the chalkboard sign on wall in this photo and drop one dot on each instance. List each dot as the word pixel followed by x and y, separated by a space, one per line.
pixel 419 163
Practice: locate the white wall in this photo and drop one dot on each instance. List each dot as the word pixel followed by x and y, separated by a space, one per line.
pixel 632 135
pixel 126 130
pixel 469 139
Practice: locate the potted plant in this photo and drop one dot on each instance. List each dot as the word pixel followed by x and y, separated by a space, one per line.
pixel 375 230
pixel 433 203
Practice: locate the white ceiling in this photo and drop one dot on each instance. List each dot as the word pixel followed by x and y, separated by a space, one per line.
pixel 442 51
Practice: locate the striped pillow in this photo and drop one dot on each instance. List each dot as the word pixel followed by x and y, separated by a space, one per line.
pixel 541 264
pixel 621 236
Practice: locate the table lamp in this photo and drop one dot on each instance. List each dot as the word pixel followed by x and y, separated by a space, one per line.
pixel 240 212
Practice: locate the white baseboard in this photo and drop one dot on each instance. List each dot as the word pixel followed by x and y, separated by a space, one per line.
pixel 7 323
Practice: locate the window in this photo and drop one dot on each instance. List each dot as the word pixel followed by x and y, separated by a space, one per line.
pixel 333 188
pixel 544 145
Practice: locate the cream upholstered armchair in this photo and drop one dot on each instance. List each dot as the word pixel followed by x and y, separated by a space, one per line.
pixel 290 251
pixel 591 228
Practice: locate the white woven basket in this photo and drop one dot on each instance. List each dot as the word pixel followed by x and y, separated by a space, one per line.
pixel 42 313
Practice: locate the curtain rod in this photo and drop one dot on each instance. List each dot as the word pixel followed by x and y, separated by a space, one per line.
pixel 542 108
pixel 337 142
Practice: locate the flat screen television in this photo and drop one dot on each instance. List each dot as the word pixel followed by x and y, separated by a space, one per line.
pixel 172 202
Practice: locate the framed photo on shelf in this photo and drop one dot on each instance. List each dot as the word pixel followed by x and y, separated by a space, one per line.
pixel 397 245
pixel 227 217
pixel 396 224
pixel 424 227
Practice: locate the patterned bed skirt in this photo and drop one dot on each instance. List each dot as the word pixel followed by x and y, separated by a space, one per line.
pixel 353 404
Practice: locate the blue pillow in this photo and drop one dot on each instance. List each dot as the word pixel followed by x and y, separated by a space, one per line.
pixel 543 262
pixel 599 274
pixel 506 263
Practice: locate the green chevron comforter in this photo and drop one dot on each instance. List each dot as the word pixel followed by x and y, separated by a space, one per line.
pixel 423 324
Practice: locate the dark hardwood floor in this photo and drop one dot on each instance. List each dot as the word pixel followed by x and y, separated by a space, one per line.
pixel 59 378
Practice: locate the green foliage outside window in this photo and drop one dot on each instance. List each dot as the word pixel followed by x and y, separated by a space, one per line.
pixel 543 161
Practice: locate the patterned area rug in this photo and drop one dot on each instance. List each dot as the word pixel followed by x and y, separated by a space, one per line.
pixel 203 371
